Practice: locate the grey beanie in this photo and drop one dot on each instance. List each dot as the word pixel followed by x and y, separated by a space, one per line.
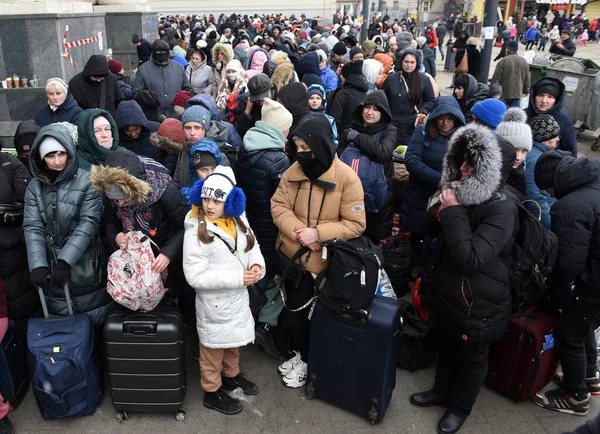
pixel 515 129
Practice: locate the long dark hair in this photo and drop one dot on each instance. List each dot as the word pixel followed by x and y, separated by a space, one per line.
pixel 413 81
pixel 205 238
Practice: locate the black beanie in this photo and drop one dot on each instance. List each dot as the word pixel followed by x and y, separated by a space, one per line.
pixel 545 167
pixel 354 51
pixel 551 88
pixel 544 127
pixel 203 159
pixel 160 45
pixel 339 48
pixel 136 39
pixel 354 67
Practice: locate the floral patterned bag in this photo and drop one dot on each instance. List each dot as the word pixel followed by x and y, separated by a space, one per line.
pixel 131 281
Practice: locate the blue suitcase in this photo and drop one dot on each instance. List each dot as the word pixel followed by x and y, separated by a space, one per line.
pixel 64 363
pixel 352 357
pixel 14 378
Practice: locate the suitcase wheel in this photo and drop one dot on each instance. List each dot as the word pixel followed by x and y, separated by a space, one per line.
pixel 121 416
pixel 373 414
pixel 180 416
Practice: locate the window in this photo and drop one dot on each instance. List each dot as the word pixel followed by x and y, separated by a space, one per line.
pixel 427 6
pixel 396 5
pixel 373 6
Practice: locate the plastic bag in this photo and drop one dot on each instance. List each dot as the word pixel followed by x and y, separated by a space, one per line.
pixel 385 287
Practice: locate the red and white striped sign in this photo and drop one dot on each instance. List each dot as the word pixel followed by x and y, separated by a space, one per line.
pixel 66 45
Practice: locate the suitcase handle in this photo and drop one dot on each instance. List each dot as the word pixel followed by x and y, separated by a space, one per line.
pixel 139 329
pixel 67 298
pixel 359 314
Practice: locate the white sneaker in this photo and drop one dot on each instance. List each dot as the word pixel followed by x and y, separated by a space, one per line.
pixel 297 376
pixel 288 365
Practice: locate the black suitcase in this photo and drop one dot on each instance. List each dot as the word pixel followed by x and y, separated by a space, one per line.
pixel 352 357
pixel 145 361
pixel 14 376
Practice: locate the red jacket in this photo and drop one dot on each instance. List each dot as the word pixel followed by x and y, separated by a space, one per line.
pixel 432 39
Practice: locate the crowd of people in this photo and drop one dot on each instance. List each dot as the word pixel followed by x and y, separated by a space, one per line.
pixel 229 133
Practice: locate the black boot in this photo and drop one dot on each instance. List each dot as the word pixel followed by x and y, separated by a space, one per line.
pixel 450 423
pixel 6 426
pixel 239 380
pixel 222 402
pixel 427 399
pixel 264 338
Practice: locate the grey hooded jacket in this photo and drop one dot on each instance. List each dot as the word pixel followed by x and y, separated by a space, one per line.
pixel 200 78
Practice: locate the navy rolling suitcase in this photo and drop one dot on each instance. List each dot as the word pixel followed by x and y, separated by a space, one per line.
pixel 14 378
pixel 352 357
pixel 64 362
pixel 145 360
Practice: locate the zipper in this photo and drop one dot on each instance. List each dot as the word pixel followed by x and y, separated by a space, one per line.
pixel 468 302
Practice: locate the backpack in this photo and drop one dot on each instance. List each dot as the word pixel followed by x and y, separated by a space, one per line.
pixel 131 281
pixel 398 261
pixel 352 277
pixel 371 174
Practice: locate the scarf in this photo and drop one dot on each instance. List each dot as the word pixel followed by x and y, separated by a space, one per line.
pixel 226 224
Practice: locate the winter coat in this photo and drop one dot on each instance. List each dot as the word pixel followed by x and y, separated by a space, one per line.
pixel 219 67
pixel 441 31
pixel 403 113
pixel 576 223
pixel 568 48
pixel 512 73
pixel 568 136
pixel 233 138
pixel 21 295
pixel 532 191
pixel 262 162
pixel 144 51
pixel 68 111
pixel 88 93
pixel 223 316
pixel 201 78
pixel 467 291
pixel 428 60
pixel 432 39
pixel 474 93
pixel 164 80
pixel 224 90
pixel 379 150
pixel 333 203
pixel 345 100
pixel 531 34
pixel 88 150
pixel 126 90
pixel 473 59
pixel 257 57
pixel 130 113
pixel 312 73
pixel 330 78
pixel 76 228
pixel 424 158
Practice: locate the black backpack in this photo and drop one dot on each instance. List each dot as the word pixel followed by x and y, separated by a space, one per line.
pixel 350 281
pixel 398 262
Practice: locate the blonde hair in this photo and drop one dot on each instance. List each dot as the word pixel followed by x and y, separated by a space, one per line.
pixel 205 238
pixel 54 87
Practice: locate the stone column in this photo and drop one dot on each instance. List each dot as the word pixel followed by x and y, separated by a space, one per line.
pixel 17 7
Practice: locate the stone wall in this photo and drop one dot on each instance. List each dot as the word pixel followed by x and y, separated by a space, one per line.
pixel 120 27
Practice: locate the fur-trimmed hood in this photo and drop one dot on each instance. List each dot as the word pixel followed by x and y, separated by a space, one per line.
pixel 284 74
pixel 166 144
pixel 480 146
pixel 227 51
pixel 102 177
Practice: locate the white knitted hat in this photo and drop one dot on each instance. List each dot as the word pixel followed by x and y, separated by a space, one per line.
pixel 514 129
pixel 274 113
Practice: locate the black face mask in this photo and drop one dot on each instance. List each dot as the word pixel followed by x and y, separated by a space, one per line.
pixel 306 160
pixel 160 57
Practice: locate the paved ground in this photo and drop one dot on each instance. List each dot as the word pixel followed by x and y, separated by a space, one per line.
pixel 278 409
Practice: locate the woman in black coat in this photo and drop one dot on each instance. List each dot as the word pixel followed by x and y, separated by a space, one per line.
pixel 473 56
pixel 341 103
pixel 466 288
pixel 409 105
pixel 372 133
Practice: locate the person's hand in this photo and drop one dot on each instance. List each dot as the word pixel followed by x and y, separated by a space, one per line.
pixel 161 262
pixel 448 199
pixel 121 241
pixel 421 119
pixel 61 274
pixel 39 277
pixel 455 50
pixel 315 247
pixel 257 269
pixel 250 278
pixel 351 135
pixel 306 236
pixel 249 105
pixel 338 71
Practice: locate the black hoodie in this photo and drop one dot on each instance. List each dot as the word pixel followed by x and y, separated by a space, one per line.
pixel 89 94
pixel 347 99
pixel 318 135
pixel 294 98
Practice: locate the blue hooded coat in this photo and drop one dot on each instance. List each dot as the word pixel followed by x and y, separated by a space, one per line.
pixel 68 111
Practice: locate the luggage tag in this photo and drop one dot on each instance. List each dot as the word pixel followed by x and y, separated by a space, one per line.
pixel 548 342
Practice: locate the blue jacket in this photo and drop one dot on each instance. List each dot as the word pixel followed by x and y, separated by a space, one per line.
pixel 126 90
pixel 424 159
pixel 330 79
pixel 568 137
pixel 532 192
pixel 312 73
pixel 531 33
pixel 68 111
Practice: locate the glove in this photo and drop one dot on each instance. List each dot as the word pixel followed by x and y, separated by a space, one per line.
pixel 351 135
pixel 39 277
pixel 61 274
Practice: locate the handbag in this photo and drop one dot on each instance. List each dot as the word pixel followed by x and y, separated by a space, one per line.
pixel 463 66
pixel 11 214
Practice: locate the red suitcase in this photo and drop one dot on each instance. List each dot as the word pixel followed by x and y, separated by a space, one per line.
pixel 519 366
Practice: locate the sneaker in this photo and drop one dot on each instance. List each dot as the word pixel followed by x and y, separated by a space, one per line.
pixel 222 402
pixel 264 339
pixel 288 365
pixel 6 426
pixel 558 400
pixel 233 383
pixel 297 376
pixel 593 383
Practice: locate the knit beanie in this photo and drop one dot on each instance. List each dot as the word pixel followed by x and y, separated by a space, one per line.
pixel 59 82
pixel 354 67
pixel 50 144
pixel 544 127
pixel 147 99
pixel 275 114
pixel 354 51
pixel 136 39
pixel 196 113
pixel 495 89
pixel 115 66
pixel 218 184
pixel 182 97
pixel 173 129
pixel 203 159
pixel 549 87
pixel 421 40
pixel 515 129
pixel 489 111
pixel 512 46
pixel 339 48
pixel 545 167
pixel 316 89
pixel 234 65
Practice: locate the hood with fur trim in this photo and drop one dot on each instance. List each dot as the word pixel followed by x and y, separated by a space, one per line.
pixel 227 51
pixel 480 147
pixel 102 177
pixel 284 74
pixel 166 144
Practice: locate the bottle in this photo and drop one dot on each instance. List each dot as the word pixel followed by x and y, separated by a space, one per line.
pixel 34 81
